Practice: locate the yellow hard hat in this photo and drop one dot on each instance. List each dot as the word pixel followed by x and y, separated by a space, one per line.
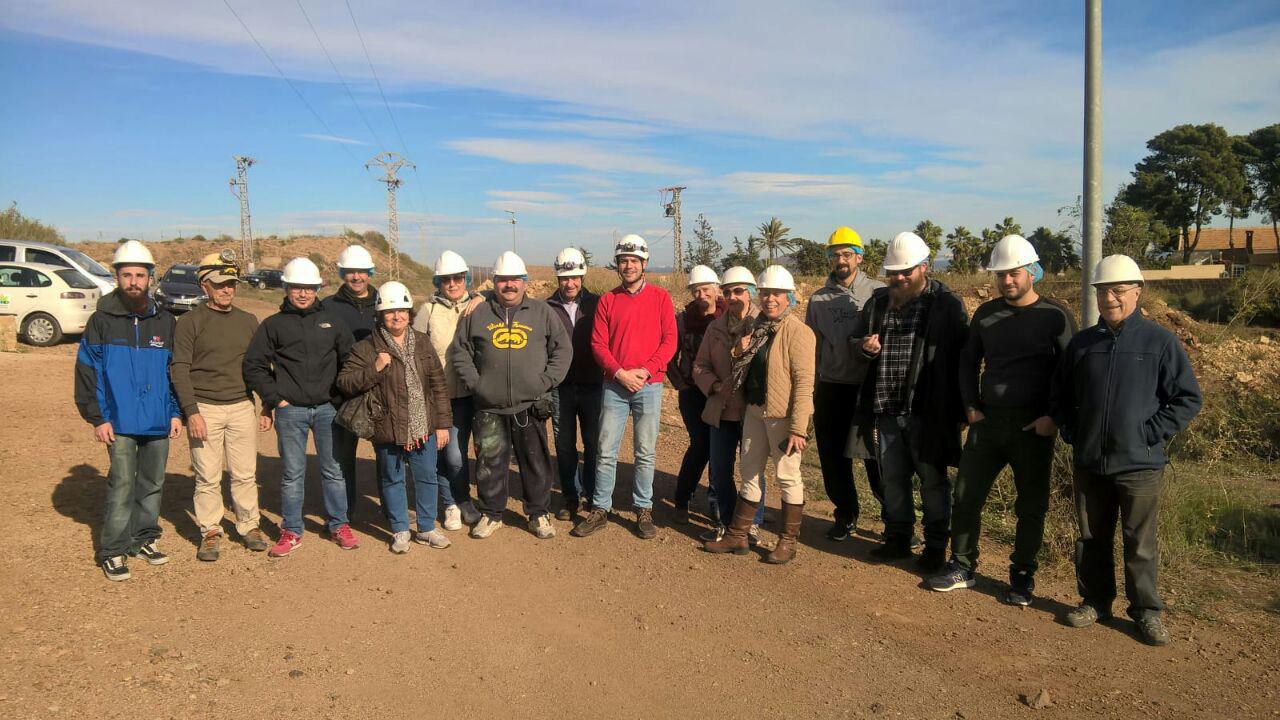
pixel 218 267
pixel 844 236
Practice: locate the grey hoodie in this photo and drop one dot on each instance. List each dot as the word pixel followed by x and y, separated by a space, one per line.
pixel 508 357
pixel 833 315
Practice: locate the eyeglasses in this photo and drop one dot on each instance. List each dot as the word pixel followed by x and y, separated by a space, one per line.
pixel 1115 291
pixel 738 291
pixel 303 289
pixel 571 265
pixel 843 254
pixel 460 277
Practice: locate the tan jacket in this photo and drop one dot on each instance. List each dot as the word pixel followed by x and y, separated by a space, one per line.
pixel 438 319
pixel 789 386
pixel 713 371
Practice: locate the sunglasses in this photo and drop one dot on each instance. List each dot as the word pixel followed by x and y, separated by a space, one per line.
pixel 900 273
pixel 453 278
pixel 738 291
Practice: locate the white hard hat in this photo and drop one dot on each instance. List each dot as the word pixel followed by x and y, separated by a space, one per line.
pixel 776 277
pixel 301 271
pixel 631 245
pixel 355 257
pixel 701 275
pixel 738 275
pixel 1116 269
pixel 905 251
pixel 509 264
pixel 394 295
pixel 1011 253
pixel 570 263
pixel 450 263
pixel 132 252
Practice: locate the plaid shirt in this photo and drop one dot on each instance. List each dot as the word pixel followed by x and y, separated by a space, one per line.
pixel 896 340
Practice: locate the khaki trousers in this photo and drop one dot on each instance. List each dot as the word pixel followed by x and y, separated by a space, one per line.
pixel 232 438
pixel 761 438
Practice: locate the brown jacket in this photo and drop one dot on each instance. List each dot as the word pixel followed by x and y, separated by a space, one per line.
pixel 789 384
pixel 358 376
pixel 713 371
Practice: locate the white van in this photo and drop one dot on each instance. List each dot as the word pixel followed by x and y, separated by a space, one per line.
pixel 50 254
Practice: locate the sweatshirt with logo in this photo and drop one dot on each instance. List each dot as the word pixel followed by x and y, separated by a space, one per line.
pixel 509 357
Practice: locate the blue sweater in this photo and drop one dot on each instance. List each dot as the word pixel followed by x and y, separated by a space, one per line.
pixel 1119 397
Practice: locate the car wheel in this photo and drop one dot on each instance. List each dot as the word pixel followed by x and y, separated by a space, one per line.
pixel 41 330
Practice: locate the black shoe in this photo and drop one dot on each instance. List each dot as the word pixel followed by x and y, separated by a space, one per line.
pixel 1022 585
pixel 115 568
pixel 955 578
pixel 932 561
pixel 840 530
pixel 152 554
pixel 595 521
pixel 644 524
pixel 1151 630
pixel 892 551
pixel 916 542
pixel 681 515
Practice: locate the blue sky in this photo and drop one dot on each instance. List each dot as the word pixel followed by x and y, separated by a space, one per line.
pixel 121 118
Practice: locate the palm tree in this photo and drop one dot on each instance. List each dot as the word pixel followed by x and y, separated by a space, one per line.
pixel 773 235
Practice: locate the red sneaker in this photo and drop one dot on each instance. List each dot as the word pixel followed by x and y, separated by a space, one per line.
pixel 288 542
pixel 345 538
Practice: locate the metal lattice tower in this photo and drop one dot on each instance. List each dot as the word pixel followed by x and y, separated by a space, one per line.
pixel 391 163
pixel 673 212
pixel 240 189
pixel 512 213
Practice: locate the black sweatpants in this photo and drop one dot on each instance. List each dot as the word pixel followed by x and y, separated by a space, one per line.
pixel 496 437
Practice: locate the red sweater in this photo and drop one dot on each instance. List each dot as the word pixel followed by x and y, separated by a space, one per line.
pixel 634 331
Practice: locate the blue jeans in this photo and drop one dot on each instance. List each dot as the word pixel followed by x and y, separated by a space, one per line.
pixel 899 461
pixel 426 484
pixel 292 425
pixel 645 408
pixel 134 483
pixel 725 440
pixel 451 464
pixel 574 404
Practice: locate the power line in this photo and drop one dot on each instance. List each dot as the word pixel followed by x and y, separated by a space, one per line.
pixel 338 72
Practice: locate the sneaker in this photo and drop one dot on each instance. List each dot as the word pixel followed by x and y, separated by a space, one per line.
pixel 680 516
pixel 1151 630
pixel 715 534
pixel 891 551
pixel 564 514
pixel 470 515
pixel 1084 616
pixel 486 527
pixel 932 561
pixel 256 540
pixel 753 535
pixel 400 542
pixel 452 518
pixel 542 528
pixel 1021 585
pixel 595 521
pixel 433 538
pixel 344 537
pixel 116 568
pixel 209 546
pixel 288 542
pixel 954 579
pixel 152 554
pixel 644 524
pixel 840 530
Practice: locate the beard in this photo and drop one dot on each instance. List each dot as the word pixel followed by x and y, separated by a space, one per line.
pixel 904 290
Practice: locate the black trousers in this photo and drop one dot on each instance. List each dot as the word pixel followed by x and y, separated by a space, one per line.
pixel 692 403
pixel 496 437
pixel 833 409
pixel 1132 498
pixel 575 404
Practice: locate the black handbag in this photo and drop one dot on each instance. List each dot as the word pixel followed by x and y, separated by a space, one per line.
pixel 362 413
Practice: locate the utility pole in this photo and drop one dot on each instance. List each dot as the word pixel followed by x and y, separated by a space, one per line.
pixel 673 211
pixel 240 189
pixel 512 213
pixel 1092 250
pixel 391 163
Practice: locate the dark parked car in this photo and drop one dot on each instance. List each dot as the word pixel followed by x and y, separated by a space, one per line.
pixel 268 278
pixel 179 290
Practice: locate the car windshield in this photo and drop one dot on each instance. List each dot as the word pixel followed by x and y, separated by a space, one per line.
pixel 87 263
pixel 75 279
pixel 182 274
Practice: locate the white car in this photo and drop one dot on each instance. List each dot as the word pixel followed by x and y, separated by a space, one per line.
pixel 32 251
pixel 48 300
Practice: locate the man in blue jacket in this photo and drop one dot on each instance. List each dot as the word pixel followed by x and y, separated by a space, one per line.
pixel 1124 388
pixel 123 391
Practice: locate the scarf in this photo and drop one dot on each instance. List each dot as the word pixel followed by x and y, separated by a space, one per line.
pixel 762 331
pixel 418 427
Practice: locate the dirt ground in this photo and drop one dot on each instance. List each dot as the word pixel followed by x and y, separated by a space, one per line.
pixel 607 626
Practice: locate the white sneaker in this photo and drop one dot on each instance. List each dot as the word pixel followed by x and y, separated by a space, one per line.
pixel 542 528
pixel 434 538
pixel 470 515
pixel 452 518
pixel 715 534
pixel 486 527
pixel 400 542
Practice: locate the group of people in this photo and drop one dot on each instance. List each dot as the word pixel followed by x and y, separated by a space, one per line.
pixel 888 374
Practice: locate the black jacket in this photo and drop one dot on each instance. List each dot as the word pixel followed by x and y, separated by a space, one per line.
pixel 359 316
pixel 1119 397
pixel 584 369
pixel 295 356
pixel 933 379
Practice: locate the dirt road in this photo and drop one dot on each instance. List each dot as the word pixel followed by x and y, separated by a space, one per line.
pixel 607 626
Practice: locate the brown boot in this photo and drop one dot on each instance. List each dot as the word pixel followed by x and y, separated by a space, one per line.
pixel 735 536
pixel 785 551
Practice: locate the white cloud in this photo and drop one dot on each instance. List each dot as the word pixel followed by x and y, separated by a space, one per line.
pixel 526 195
pixel 592 128
pixel 332 139
pixel 583 154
